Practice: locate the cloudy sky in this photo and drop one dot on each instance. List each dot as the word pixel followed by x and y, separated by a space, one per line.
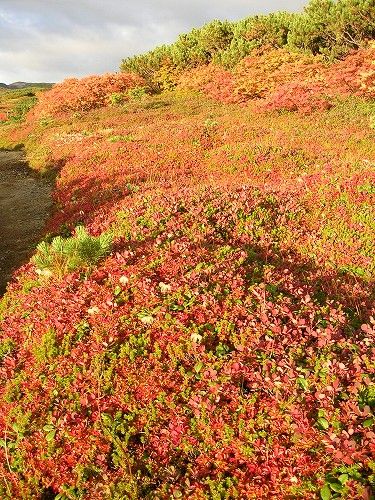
pixel 49 40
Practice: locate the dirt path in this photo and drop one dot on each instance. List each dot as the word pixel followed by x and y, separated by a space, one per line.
pixel 25 203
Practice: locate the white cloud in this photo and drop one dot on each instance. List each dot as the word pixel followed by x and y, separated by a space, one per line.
pixel 49 40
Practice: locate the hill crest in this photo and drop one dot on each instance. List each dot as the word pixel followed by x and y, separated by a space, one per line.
pixel 23 85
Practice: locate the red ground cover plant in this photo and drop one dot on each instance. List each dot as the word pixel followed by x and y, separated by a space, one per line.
pixel 224 349
pixel 298 96
pixel 194 360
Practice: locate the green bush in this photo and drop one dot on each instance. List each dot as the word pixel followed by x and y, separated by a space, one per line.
pixel 328 27
pixel 64 255
pixel 333 28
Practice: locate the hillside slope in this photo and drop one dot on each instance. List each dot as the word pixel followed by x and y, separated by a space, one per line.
pixel 199 322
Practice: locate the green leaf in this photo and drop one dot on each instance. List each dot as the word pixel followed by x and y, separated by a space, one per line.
pixel 49 428
pixel 323 423
pixel 107 419
pixel 368 422
pixel 325 492
pixel 303 383
pixel 343 478
pixel 50 436
pixel 198 367
pixel 337 487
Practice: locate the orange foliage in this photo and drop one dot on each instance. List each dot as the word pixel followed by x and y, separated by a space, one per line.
pixel 84 94
pixel 355 74
pixel 261 74
pixel 166 77
pixel 212 80
pixel 286 80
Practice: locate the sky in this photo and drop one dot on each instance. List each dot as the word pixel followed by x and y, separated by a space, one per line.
pixel 49 40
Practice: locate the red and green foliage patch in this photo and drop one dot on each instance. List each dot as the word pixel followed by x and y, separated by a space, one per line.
pixel 224 348
pixel 286 80
pixel 203 356
pixel 298 96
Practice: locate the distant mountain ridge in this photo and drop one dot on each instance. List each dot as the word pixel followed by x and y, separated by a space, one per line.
pixel 22 85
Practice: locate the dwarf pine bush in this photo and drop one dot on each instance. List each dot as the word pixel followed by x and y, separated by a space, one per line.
pixel 64 255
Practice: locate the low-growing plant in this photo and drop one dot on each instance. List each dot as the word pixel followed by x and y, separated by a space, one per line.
pixel 121 138
pixel 297 96
pixel 137 93
pixel 64 255
pixel 6 347
pixel 224 349
pixel 117 99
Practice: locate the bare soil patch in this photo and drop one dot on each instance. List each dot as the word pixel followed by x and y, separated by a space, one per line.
pixel 25 204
